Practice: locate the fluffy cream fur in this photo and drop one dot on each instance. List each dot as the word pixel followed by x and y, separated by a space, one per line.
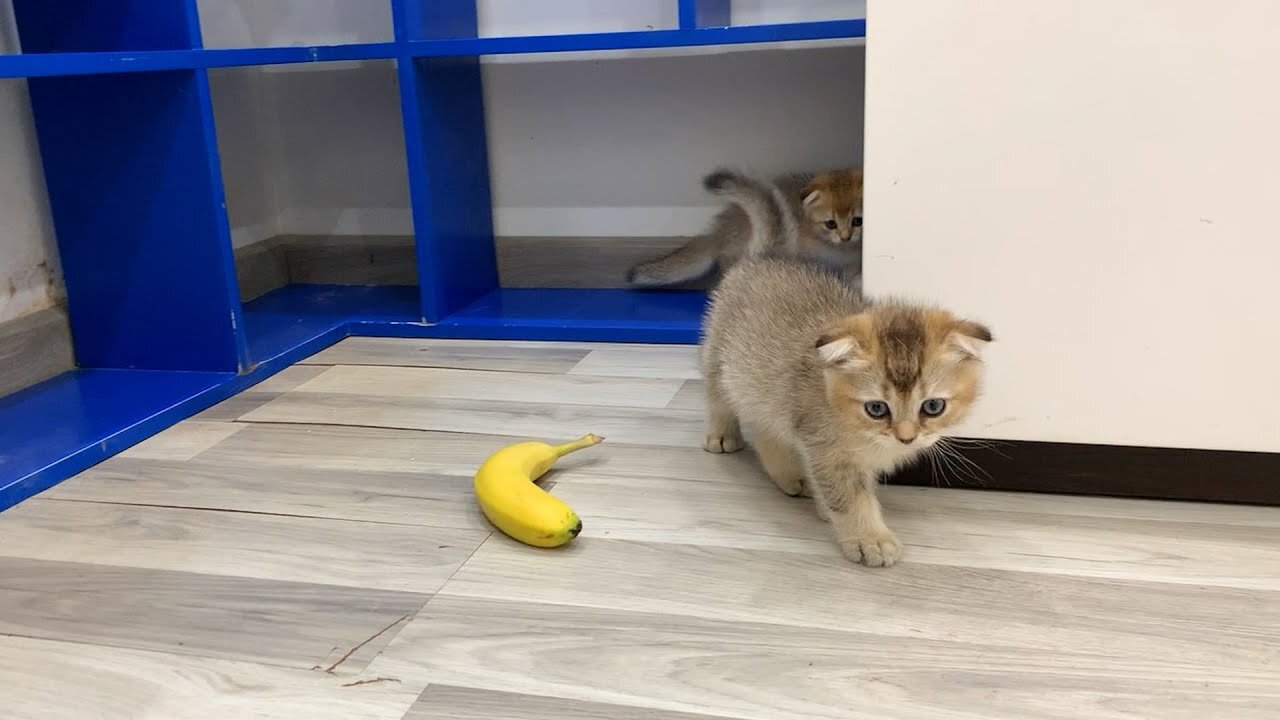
pixel 793 355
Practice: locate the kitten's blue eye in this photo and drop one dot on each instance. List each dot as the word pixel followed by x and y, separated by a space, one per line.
pixel 933 407
pixel 831 224
pixel 877 409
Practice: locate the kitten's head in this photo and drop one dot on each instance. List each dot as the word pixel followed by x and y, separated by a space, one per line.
pixel 902 375
pixel 832 204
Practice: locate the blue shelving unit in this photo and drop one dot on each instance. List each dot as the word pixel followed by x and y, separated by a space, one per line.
pixel 124 115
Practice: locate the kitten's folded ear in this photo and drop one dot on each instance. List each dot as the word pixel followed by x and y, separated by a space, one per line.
pixel 847 344
pixel 968 338
pixel 810 193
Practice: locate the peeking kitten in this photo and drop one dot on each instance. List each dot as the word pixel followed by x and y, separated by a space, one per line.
pixel 833 392
pixel 813 217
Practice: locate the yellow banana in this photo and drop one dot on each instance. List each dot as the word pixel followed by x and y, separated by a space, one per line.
pixel 512 502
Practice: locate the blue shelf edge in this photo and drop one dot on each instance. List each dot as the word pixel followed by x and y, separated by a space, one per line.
pixel 53 430
pixel 63 426
pixel 21 65
pixel 641 39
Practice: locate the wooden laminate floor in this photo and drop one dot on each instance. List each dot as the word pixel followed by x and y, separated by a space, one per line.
pixel 310 549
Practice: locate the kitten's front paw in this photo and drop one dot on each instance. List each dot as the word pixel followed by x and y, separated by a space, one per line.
pixel 790 486
pixel 722 442
pixel 878 550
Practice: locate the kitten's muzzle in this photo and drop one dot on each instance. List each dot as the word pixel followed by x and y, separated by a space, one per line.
pixel 906 432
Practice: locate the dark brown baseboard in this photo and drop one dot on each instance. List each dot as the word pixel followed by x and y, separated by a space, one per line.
pixel 1123 471
pixel 324 260
pixel 579 262
pixel 34 348
pixel 540 262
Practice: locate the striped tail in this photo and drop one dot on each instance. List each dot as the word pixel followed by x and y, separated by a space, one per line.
pixel 693 260
pixel 772 224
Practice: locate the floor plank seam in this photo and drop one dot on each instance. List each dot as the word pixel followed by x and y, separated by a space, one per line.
pixel 603 379
pixel 472 433
pixel 458 569
pixel 324 424
pixel 235 511
pixel 517 373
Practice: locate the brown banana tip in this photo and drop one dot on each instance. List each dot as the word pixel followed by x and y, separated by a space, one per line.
pixel 576 529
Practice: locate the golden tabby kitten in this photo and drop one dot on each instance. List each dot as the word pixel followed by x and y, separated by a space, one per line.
pixel 833 392
pixel 812 217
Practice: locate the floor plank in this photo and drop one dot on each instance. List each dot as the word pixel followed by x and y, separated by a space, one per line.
pixel 748 514
pixel 450 384
pixel 510 357
pixel 638 426
pixel 267 472
pixel 55 680
pixel 409 463
pixel 1152 550
pixel 241 544
pixel 443 702
pixel 753 513
pixel 778 672
pixel 657 361
pixel 372 449
pixel 273 387
pixel 266 621
pixel 183 441
pixel 692 395
pixel 1225 628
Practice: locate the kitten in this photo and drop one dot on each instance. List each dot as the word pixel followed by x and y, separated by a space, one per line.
pixel 835 392
pixel 814 217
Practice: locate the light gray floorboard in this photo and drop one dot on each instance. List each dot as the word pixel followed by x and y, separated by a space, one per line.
pixel 312 549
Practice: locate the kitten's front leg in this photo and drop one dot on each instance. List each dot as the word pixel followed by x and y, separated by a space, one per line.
pixel 846 495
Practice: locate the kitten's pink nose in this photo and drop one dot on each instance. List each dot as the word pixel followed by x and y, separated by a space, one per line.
pixel 906 432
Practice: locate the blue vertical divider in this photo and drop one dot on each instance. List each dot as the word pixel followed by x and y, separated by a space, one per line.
pixel 136 193
pixel 443 107
pixel 703 13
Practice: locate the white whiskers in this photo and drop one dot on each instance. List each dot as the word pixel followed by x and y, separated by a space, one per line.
pixel 946 453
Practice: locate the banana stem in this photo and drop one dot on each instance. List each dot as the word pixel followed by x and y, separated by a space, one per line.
pixel 585 441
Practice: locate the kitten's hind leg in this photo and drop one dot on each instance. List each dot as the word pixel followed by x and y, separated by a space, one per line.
pixel 724 435
pixel 780 462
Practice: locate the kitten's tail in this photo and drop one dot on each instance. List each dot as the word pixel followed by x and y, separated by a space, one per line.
pixel 772 225
pixel 693 260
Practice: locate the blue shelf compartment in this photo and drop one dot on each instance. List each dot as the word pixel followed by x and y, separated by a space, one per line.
pixel 125 122
pixel 443 114
pixel 278 326
pixel 93 26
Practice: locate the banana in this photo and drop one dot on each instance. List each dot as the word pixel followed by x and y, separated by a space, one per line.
pixel 515 505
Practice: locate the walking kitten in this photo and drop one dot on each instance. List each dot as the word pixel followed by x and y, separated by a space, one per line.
pixel 814 217
pixel 834 392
